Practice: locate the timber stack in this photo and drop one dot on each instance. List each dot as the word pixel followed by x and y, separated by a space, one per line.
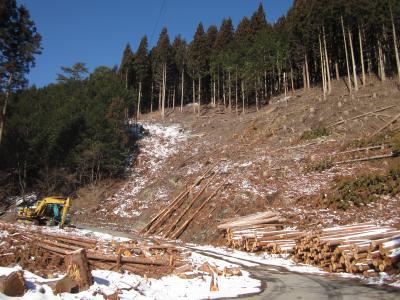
pixel 361 248
pixel 260 232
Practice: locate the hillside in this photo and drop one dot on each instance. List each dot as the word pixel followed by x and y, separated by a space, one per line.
pixel 276 158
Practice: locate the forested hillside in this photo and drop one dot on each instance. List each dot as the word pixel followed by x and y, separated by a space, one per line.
pixel 316 41
pixel 71 132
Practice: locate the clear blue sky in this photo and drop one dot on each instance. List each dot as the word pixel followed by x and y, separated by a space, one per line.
pixel 96 31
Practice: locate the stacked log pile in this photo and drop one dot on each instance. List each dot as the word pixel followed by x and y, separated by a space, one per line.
pixel 362 248
pixel 173 220
pixel 260 232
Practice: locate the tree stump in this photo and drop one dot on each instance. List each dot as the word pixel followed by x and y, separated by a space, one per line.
pixel 13 284
pixel 78 268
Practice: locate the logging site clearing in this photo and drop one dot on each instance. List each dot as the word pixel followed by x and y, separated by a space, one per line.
pixel 300 194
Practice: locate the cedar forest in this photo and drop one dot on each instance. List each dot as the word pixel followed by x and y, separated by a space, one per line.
pixel 72 132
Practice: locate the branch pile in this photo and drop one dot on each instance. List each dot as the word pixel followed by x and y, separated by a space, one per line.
pixel 361 248
pixel 260 232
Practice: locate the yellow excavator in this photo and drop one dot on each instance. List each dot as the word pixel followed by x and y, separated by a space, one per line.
pixel 48 211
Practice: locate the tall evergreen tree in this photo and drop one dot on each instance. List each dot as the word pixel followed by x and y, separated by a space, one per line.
pixel 126 66
pixel 19 43
pixel 197 61
pixel 142 69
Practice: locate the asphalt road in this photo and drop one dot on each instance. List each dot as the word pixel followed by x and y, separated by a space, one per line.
pixel 280 284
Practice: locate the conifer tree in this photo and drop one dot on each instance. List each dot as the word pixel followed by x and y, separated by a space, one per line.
pixel 142 69
pixel 126 66
pixel 197 61
pixel 19 43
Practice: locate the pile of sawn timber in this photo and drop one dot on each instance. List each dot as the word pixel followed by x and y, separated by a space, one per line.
pixel 361 248
pixel 260 232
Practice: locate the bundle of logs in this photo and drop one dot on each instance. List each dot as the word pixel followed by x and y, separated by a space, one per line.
pixel 174 219
pixel 362 248
pixel 260 232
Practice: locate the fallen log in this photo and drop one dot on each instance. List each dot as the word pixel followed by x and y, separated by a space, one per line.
pixel 385 126
pixel 181 229
pixel 360 116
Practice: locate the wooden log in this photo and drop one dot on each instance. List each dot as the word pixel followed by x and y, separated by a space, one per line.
pixel 127 259
pixel 386 125
pixel 366 159
pixel 360 116
pixel 166 212
pixel 180 230
pixel 77 266
pixel 183 213
pixel 13 284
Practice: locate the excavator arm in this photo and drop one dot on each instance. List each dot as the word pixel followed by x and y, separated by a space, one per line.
pixel 65 209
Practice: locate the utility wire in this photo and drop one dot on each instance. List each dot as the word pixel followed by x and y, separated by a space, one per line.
pixel 158 20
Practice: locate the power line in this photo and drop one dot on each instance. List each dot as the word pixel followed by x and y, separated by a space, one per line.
pixel 158 20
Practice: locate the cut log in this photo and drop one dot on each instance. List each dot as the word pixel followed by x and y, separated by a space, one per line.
pixel 13 284
pixel 77 266
pixel 63 285
pixel 360 116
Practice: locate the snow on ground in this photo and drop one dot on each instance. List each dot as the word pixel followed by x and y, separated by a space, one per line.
pixel 252 260
pixel 161 142
pixel 130 286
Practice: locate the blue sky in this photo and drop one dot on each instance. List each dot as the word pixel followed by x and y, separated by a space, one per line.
pixel 96 31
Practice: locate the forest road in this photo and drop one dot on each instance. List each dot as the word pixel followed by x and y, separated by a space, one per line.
pixel 280 284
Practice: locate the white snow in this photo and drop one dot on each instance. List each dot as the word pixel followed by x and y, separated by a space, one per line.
pixel 162 142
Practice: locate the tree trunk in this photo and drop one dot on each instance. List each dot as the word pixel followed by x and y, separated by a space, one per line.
pixel 218 87
pixel 353 61
pixel 328 72
pixel 291 79
pixel 347 56
pixel 4 111
pixel 230 91
pixel 243 97
pixel 304 77
pixel 396 49
pixel 307 71
pixel 236 91
pixel 337 71
pixel 382 74
pixel 151 97
pixel 194 93
pixel 223 89
pixel 322 67
pixel 139 99
pixel 173 98
pixel 182 90
pixel 361 56
pixel 198 111
pixel 215 94
pixel 164 90
pixel 256 89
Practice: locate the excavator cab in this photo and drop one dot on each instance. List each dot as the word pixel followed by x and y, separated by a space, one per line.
pixel 48 211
